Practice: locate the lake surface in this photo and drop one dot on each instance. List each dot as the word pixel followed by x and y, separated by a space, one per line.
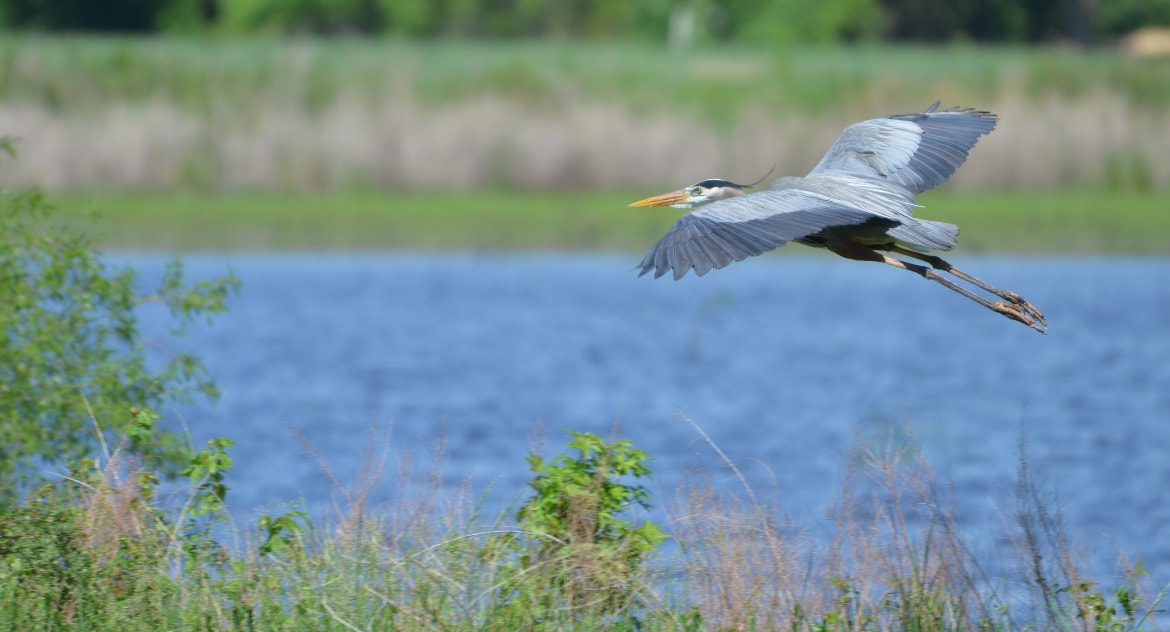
pixel 782 360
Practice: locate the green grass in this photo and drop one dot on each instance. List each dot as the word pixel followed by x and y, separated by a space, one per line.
pixel 76 72
pixel 1073 222
pixel 366 220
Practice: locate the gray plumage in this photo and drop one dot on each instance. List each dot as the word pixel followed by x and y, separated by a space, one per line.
pixel 857 202
pixel 862 190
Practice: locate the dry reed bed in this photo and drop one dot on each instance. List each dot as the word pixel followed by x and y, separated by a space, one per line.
pixel 489 140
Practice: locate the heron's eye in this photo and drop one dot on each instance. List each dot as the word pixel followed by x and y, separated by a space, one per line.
pixel 697 191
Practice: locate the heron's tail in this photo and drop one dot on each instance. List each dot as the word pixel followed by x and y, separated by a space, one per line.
pixel 925 233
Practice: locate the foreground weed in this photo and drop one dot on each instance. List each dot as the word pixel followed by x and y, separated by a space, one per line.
pixel 1123 610
pixel 99 552
pixel 95 560
pixel 581 555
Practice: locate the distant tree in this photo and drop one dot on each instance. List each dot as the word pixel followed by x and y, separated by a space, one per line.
pixel 187 15
pixel 81 15
pixel 767 21
pixel 488 19
pixel 591 19
pixel 412 18
pixel 988 20
pixel 813 21
pixel 788 22
pixel 118 16
pixel 931 21
pixel 1118 17
pixel 320 17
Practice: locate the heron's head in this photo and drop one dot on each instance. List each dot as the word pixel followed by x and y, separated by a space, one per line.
pixel 700 193
pixel 697 194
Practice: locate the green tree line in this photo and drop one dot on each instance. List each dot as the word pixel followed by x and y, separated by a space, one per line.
pixel 777 21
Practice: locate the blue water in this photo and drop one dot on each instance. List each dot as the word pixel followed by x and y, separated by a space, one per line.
pixel 783 361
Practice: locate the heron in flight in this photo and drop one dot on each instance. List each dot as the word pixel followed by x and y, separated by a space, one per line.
pixel 857 202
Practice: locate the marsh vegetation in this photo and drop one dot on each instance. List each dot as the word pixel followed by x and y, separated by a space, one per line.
pixel 312 115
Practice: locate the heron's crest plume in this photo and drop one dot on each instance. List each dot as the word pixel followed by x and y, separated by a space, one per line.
pixel 719 182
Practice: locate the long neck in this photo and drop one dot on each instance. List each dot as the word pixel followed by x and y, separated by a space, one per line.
pixel 726 192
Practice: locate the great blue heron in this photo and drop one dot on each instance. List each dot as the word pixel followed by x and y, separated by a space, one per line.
pixel 856 202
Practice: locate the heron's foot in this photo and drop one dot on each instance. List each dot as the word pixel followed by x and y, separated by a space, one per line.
pixel 1028 308
pixel 1025 313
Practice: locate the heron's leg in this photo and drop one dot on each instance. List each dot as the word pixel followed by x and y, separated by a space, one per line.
pixel 853 250
pixel 939 263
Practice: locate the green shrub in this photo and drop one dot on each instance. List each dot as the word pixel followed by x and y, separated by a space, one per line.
pixel 585 551
pixel 72 356
pixel 579 498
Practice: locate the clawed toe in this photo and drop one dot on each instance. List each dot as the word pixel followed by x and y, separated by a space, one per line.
pixel 1023 313
pixel 1033 312
pixel 1030 309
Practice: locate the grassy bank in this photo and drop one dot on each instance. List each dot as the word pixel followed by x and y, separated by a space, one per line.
pixel 1072 222
pixel 309 115
pixel 99 552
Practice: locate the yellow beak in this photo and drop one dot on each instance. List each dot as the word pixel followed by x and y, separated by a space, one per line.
pixel 666 199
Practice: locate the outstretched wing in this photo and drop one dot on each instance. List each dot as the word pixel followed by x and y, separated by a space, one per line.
pixel 915 151
pixel 736 228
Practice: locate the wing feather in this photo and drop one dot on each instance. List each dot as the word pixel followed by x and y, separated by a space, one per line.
pixel 914 151
pixel 737 228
